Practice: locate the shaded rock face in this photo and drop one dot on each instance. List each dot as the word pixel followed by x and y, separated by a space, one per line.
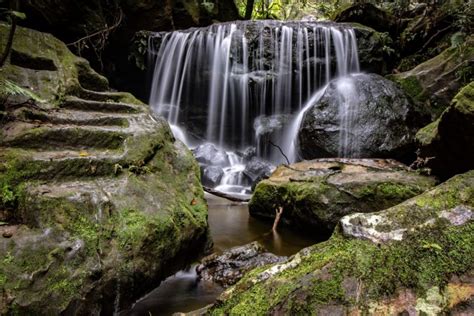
pixel 316 194
pixel 446 145
pixel 427 268
pixel 257 169
pixel 71 20
pixel 436 81
pixel 362 115
pixel 228 268
pixel 97 196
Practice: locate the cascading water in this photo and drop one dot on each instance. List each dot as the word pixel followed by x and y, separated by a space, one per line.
pixel 216 83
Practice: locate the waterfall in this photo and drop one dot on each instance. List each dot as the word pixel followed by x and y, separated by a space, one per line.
pixel 215 82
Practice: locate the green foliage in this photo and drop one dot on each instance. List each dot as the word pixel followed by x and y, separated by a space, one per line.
pixel 9 88
pixel 289 9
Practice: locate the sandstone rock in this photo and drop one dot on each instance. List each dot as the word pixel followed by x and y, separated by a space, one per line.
pixel 430 270
pixel 436 81
pixel 316 194
pixel 101 195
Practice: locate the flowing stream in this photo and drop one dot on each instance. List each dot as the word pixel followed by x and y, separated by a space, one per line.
pixel 230 226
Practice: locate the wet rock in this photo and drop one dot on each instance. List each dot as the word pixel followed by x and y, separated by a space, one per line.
pixel 446 145
pixel 361 115
pixel 426 269
pixel 257 169
pixel 316 194
pixel 228 268
pixel 249 153
pixel 209 154
pixel 211 175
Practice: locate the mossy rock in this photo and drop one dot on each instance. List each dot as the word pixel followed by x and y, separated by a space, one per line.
pixel 316 194
pixel 98 201
pixel 446 144
pixel 44 65
pixel 436 81
pixel 428 270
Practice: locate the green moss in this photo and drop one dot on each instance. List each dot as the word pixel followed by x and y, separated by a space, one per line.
pixel 412 87
pixel 464 100
pixel 426 258
pixel 427 134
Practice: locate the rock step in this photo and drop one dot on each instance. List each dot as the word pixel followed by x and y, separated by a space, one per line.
pixel 63 136
pixel 108 96
pixel 73 117
pixel 75 103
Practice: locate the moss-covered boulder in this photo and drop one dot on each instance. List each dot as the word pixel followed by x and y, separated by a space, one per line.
pixel 436 81
pixel 98 201
pixel 446 145
pixel 424 268
pixel 316 194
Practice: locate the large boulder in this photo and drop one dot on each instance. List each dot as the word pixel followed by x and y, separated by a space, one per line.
pixel 98 201
pixel 360 115
pixel 436 81
pixel 446 145
pixel 316 194
pixel 414 258
pixel 228 268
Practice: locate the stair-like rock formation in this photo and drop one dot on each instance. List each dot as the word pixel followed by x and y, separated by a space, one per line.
pixel 98 201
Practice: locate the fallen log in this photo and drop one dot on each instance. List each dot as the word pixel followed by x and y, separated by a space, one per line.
pixel 225 195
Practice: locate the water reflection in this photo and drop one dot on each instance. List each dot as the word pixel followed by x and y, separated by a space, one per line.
pixel 230 226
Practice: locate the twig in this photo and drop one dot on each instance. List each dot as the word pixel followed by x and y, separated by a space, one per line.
pixel 281 151
pixel 434 36
pixel 278 213
pixel 107 29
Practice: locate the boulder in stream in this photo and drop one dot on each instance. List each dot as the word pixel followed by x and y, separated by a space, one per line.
pixel 209 154
pixel 361 115
pixel 413 258
pixel 211 175
pixel 316 194
pixel 228 268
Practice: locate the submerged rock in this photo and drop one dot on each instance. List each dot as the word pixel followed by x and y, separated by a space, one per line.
pixel 361 115
pixel 316 194
pixel 97 195
pixel 447 144
pixel 426 269
pixel 228 268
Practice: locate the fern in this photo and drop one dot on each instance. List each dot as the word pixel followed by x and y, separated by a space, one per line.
pixel 9 88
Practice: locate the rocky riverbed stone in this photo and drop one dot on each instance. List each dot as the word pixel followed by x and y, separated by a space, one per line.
pixel 316 194
pixel 428 270
pixel 228 268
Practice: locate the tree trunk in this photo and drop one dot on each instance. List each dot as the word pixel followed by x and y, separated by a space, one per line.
pixel 8 47
pixel 249 9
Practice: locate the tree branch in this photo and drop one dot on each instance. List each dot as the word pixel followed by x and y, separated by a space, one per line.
pixel 281 151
